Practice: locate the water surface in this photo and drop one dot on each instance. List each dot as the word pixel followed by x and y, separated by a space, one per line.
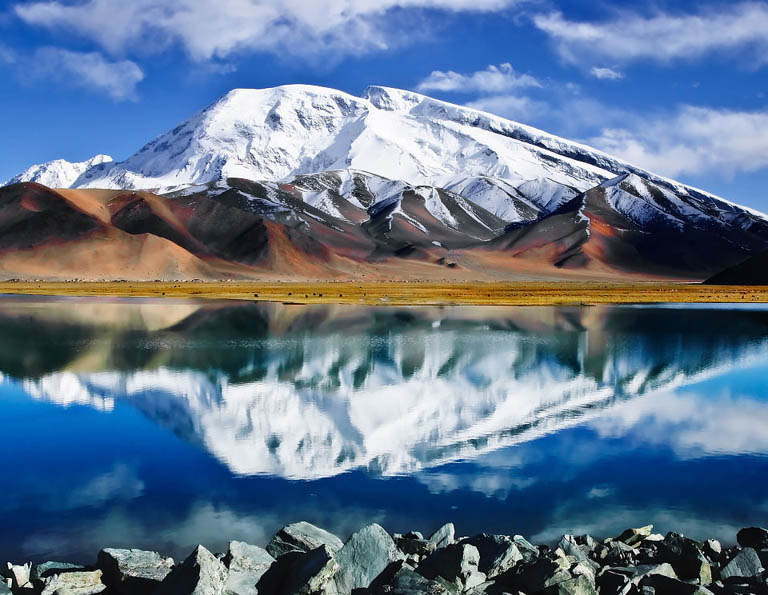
pixel 162 424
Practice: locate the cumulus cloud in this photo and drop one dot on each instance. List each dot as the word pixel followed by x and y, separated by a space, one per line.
pixel 90 70
pixel 664 36
pixel 693 140
pixel 217 29
pixel 608 74
pixel 494 79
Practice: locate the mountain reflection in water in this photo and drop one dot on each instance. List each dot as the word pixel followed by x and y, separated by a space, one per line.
pixel 450 401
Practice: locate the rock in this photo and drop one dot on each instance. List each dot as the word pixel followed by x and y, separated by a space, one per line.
pixel 5 589
pixel 456 563
pixel 529 551
pixel 538 576
pixel 686 557
pixel 406 581
pixel 303 537
pixel 713 549
pixel 200 574
pixel 498 553
pixel 746 564
pixel 414 535
pixel 79 582
pixel 580 585
pixel 618 553
pixel 612 582
pixel 754 537
pixel 415 546
pixel 46 569
pixel 133 571
pixel 311 572
pixel 664 585
pixel 19 575
pixel 444 536
pixel 635 536
pixel 246 564
pixel 571 548
pixel 365 555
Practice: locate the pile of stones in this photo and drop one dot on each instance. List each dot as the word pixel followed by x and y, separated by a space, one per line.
pixel 304 559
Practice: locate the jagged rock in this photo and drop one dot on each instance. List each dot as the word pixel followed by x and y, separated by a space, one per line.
pixel 311 572
pixel 581 585
pixel 612 582
pixel 754 537
pixel 456 563
pixel 635 536
pixel 618 553
pixel 538 576
pixel 686 557
pixel 745 564
pixel 529 551
pixel 444 536
pixel 133 571
pixel 46 569
pixel 79 582
pixel 415 545
pixel 406 581
pixel 498 553
pixel 414 535
pixel 570 547
pixel 302 537
pixel 19 575
pixel 664 585
pixel 200 574
pixel 713 549
pixel 246 564
pixel 365 555
pixel 5 589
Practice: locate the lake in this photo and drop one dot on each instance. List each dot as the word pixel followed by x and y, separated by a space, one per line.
pixel 161 424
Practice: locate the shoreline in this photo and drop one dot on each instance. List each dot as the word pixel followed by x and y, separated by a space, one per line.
pixel 524 293
pixel 304 559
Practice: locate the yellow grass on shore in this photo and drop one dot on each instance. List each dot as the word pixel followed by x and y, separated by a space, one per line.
pixel 400 293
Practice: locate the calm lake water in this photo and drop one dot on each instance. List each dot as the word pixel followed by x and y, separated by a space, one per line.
pixel 162 424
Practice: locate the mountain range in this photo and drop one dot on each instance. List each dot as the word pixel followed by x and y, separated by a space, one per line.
pixel 302 182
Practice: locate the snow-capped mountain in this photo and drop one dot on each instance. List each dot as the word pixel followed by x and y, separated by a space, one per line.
pixel 58 173
pixel 340 180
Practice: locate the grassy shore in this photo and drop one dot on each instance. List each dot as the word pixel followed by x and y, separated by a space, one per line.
pixel 399 293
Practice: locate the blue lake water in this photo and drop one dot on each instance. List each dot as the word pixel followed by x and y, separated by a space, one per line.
pixel 162 424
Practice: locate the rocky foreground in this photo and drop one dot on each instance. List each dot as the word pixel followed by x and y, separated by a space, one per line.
pixel 304 559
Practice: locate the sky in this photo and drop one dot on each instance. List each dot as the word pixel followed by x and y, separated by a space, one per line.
pixel 679 88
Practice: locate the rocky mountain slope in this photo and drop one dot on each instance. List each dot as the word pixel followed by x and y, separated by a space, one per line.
pixel 389 185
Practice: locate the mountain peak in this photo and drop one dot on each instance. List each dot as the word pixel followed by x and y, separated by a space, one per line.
pixel 58 173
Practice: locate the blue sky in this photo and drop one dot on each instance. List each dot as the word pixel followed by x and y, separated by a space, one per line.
pixel 680 88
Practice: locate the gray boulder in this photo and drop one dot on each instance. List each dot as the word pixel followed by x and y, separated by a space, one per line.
pixel 529 551
pixel 311 572
pixel 754 537
pixel 5 589
pixel 570 547
pixel 498 553
pixel 686 557
pixel 746 564
pixel 302 537
pixel 200 574
pixel 46 569
pixel 581 585
pixel 416 546
pixel 133 571
pixel 19 575
pixel 664 585
pixel 635 536
pixel 538 576
pixel 444 536
pixel 456 564
pixel 402 579
pixel 365 555
pixel 81 582
pixel 246 564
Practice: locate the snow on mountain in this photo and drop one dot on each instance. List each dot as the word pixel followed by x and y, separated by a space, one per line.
pixel 58 173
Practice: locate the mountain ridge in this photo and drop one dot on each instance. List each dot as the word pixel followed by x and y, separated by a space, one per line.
pixel 341 184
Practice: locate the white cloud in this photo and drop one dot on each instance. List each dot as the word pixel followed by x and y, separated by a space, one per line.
pixel 608 74
pixel 693 140
pixel 510 106
pixel 494 79
pixel 663 36
pixel 90 70
pixel 217 29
